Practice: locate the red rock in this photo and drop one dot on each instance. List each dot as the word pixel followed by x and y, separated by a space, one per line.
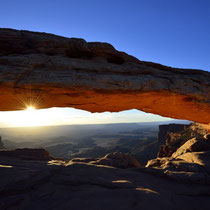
pixel 45 71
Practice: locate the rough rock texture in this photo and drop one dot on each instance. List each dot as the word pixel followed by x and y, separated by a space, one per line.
pixel 47 185
pixel 190 161
pixel 45 70
pixel 174 139
pixel 115 159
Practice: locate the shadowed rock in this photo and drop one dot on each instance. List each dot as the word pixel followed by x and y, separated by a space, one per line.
pixel 26 184
pixel 27 154
pixel 46 70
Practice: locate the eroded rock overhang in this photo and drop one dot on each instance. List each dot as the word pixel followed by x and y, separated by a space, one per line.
pixel 46 70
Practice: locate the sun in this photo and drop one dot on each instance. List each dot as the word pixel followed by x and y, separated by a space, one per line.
pixel 31 116
pixel 28 117
pixel 30 108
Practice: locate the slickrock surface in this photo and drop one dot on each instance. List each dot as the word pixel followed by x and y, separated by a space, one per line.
pixel 47 185
pixel 45 70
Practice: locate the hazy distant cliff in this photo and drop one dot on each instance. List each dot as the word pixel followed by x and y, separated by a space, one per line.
pixel 165 129
pixel 151 150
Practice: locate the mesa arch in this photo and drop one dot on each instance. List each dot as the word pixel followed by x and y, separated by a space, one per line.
pixel 46 71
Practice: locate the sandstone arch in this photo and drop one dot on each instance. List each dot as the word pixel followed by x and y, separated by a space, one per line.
pixel 52 71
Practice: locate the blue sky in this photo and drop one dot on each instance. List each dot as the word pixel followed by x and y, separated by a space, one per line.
pixel 174 33
pixel 171 32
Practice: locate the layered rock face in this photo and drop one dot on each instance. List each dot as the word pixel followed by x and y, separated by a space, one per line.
pixel 187 157
pixel 44 70
pixel 169 128
pixel 160 146
pixel 177 135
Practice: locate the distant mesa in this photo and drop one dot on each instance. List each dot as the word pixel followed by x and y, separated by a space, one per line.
pixel 27 154
pixel 53 71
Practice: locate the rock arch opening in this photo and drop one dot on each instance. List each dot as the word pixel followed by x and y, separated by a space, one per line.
pixel 58 73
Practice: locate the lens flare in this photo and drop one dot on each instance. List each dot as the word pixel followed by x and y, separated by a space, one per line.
pixel 30 108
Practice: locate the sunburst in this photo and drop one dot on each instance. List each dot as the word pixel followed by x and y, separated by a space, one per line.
pixel 30 109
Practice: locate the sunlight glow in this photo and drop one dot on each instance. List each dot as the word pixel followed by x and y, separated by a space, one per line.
pixel 30 117
pixel 65 116
pixel 30 108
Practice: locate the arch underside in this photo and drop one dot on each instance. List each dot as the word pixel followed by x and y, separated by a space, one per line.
pixel 46 71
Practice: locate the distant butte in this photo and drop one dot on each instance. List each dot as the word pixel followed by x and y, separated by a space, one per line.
pixel 46 70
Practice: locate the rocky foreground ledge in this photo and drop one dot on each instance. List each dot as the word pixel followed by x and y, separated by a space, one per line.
pixel 31 179
pixel 30 184
pixel 45 70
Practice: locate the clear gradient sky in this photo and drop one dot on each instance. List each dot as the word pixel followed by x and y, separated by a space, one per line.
pixel 171 32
